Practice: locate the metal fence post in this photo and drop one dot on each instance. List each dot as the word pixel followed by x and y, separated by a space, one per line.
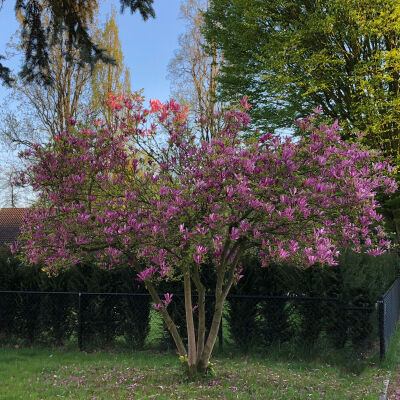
pixel 381 319
pixel 80 344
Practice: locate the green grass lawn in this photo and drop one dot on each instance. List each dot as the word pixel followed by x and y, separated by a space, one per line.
pixel 35 373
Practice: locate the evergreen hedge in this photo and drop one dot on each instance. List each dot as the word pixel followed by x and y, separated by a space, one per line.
pixel 52 319
pixel 357 281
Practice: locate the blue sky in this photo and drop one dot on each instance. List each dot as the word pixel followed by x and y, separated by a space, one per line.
pixel 147 46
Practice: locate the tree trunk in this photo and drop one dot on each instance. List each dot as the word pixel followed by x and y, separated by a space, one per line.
pixel 168 320
pixel 201 302
pixel 198 356
pixel 192 356
pixel 212 335
pixel 221 291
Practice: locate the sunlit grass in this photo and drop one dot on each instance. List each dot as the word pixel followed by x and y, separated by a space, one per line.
pixel 287 372
pixel 34 373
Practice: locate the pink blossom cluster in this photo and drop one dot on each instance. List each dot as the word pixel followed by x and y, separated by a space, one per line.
pixel 164 303
pixel 122 192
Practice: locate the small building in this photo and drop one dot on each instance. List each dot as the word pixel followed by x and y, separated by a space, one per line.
pixel 10 225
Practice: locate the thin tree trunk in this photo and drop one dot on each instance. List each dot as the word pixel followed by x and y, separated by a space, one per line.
pixel 168 320
pixel 219 300
pixel 212 335
pixel 164 313
pixel 221 293
pixel 201 328
pixel 192 356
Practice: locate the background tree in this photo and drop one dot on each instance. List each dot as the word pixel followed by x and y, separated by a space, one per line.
pixel 36 114
pixel 108 78
pixel 11 193
pixel 216 202
pixel 236 28
pixel 193 70
pixel 42 112
pixel 33 113
pixel 70 19
pixel 291 57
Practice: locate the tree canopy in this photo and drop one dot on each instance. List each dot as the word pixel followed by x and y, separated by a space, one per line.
pixel 68 16
pixel 290 57
pixel 214 201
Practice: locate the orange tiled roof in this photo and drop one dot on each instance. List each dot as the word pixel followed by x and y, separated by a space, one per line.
pixel 10 223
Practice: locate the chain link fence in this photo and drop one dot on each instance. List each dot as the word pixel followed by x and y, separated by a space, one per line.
pixel 389 313
pixel 269 320
pixel 103 320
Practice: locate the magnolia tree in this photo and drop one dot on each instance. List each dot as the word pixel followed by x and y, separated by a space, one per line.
pixel 145 191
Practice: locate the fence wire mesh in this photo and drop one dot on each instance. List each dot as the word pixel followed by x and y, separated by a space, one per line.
pixel 389 313
pixel 100 320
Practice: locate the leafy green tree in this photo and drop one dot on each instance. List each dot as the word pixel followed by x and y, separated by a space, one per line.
pixel 71 17
pixel 289 57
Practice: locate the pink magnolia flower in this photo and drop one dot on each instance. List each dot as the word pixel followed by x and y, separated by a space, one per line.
pixel 238 276
pixel 318 110
pixel 200 250
pixel 168 299
pixel 146 273
pixel 293 246
pixel 244 103
pixel 197 258
pixel 158 306
pixel 155 105
pixel 244 226
pixel 230 191
pixel 235 234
